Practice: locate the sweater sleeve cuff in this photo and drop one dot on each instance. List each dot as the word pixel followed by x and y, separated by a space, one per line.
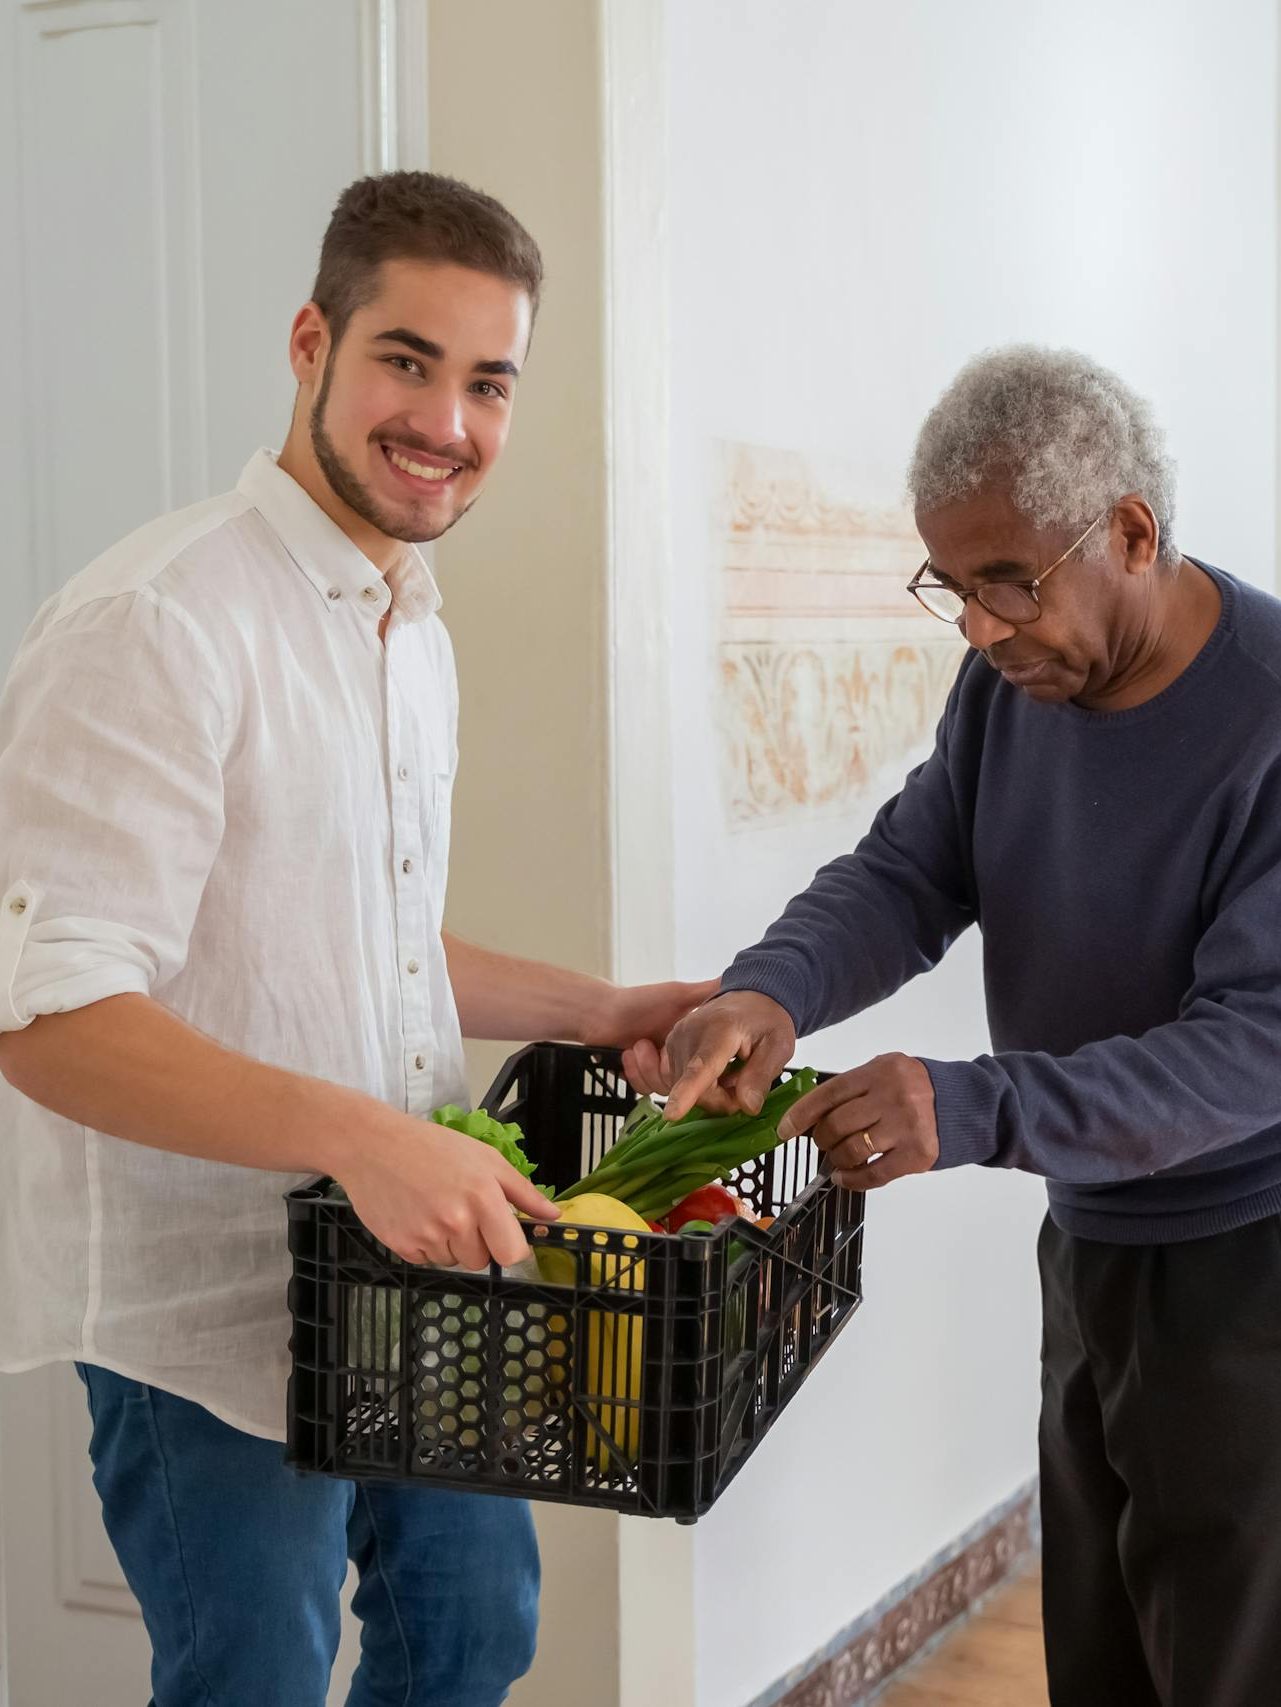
pixel 965 1112
pixel 780 980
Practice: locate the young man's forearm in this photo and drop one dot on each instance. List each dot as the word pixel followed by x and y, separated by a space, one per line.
pixel 510 1000
pixel 128 1067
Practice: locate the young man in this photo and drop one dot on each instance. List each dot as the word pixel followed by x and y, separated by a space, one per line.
pixel 226 756
pixel 1105 802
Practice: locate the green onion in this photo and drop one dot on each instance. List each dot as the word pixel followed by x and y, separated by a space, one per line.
pixel 657 1162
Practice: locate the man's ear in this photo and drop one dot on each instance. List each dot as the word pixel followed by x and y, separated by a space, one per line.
pixel 309 345
pixel 1140 533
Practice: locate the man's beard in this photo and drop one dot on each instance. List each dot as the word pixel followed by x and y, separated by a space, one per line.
pixel 356 496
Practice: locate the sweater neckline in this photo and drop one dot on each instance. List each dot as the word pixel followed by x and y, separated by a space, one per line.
pixel 1186 679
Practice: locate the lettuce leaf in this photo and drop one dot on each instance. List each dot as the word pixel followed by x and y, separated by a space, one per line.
pixel 508 1139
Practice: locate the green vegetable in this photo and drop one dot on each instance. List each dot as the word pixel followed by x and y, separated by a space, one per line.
pixel 656 1162
pixel 508 1140
pixel 475 1123
pixel 373 1329
pixel 644 1109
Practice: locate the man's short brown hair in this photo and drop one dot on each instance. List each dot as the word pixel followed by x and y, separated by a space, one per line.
pixel 417 216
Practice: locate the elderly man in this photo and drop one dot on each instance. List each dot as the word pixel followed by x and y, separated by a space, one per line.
pixel 1104 800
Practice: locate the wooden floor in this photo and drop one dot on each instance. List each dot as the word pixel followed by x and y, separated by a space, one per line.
pixel 994 1660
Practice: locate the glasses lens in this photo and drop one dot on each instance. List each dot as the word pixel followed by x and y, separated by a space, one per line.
pixel 941 602
pixel 1010 603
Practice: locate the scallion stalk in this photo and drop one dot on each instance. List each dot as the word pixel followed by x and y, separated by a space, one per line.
pixel 658 1162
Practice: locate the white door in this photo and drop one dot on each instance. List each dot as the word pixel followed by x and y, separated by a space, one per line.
pixel 166 171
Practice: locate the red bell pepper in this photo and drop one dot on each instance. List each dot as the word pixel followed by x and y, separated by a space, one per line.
pixel 709 1203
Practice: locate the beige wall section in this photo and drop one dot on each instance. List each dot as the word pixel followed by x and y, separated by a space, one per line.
pixel 515 108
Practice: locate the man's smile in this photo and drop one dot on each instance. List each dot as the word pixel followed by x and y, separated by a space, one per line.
pixel 421 472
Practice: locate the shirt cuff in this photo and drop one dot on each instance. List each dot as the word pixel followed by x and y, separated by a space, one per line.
pixel 51 966
pixel 17 912
pixel 965 1112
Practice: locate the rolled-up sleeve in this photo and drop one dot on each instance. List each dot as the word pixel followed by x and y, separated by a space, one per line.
pixel 112 733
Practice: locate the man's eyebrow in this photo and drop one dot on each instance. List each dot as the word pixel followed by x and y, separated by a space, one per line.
pixel 411 341
pixel 434 352
pixel 1000 569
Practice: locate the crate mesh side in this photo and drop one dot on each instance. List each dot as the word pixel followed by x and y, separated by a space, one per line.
pixel 489 1379
pixel 605 1098
pixel 368 1375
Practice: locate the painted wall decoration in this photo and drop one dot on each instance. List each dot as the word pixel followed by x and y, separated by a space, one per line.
pixel 829 671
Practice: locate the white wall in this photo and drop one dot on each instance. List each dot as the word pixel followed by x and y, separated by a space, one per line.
pixel 861 196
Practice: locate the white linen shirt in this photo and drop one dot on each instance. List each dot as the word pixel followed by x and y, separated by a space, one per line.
pixel 219 788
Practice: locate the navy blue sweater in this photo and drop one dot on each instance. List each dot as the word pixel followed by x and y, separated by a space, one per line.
pixel 1125 871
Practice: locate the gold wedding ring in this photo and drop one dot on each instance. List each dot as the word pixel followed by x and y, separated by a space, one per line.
pixel 867 1139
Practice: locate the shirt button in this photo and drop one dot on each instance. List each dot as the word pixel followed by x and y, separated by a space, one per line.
pixel 420 1061
pixel 369 593
pixel 18 906
pixel 412 966
pixel 403 774
pixel 406 865
pixel 335 592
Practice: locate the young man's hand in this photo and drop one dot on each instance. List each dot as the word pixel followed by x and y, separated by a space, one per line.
pixel 510 1000
pixel 694 1065
pixel 623 1017
pixel 436 1196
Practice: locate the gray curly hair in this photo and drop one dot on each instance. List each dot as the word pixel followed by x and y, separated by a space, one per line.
pixel 1066 436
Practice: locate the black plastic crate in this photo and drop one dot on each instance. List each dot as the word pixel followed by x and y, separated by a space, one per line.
pixel 635 1372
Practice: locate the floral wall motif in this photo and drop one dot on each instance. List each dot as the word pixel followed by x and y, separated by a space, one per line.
pixel 828 671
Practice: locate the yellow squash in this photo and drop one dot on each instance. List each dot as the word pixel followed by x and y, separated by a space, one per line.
pixel 615 1343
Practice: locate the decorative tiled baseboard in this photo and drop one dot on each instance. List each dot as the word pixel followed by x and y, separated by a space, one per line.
pixel 862 1659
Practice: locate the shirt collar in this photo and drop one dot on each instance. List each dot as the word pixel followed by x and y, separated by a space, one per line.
pixel 336 567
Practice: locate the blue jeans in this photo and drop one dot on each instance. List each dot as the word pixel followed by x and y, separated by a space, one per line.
pixel 237 1562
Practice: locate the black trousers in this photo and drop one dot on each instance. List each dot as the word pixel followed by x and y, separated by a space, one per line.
pixel 1161 1470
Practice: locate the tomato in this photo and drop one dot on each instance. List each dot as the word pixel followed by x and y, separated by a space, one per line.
pixel 709 1203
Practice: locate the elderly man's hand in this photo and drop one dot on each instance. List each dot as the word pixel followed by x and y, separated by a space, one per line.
pixel 694 1065
pixel 875 1123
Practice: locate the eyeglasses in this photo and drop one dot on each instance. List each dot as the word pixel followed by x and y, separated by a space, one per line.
pixel 1015 602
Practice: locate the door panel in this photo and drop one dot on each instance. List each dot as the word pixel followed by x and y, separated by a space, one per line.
pixel 110 244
